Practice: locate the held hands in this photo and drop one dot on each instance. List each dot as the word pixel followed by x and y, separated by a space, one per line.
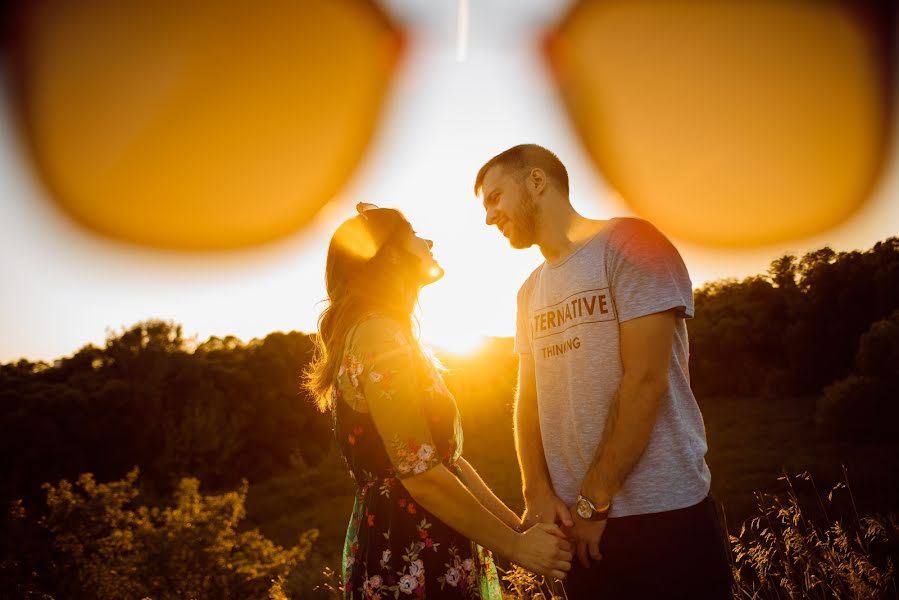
pixel 547 551
pixel 543 549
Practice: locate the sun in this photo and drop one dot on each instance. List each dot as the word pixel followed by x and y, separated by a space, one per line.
pixel 454 314
pixel 460 342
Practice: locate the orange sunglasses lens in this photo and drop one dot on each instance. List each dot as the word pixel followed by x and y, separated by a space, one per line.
pixel 732 123
pixel 200 125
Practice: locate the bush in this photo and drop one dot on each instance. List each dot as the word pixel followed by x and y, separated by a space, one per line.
pixel 878 349
pixel 857 408
pixel 188 550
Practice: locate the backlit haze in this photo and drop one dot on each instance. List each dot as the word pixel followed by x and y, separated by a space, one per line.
pixel 461 96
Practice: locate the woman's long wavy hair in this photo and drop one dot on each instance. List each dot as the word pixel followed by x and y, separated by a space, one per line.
pixel 367 272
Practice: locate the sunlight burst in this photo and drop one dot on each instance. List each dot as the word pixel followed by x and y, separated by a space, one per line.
pixel 456 342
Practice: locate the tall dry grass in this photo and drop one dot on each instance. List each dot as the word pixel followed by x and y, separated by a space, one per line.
pixel 798 549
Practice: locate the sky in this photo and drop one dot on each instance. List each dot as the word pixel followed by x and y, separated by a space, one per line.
pixel 63 286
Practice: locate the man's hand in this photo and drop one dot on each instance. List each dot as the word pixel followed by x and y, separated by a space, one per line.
pixel 587 536
pixel 545 508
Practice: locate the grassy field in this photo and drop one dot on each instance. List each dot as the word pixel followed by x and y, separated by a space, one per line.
pixel 751 442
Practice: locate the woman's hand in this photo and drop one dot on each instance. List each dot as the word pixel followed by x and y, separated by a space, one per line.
pixel 543 549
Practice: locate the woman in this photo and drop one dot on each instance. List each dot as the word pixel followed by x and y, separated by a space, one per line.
pixel 422 513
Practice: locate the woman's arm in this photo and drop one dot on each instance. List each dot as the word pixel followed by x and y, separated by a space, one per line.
pixel 382 366
pixel 485 495
pixel 542 549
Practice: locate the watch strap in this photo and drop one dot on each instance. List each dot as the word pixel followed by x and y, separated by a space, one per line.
pixel 595 513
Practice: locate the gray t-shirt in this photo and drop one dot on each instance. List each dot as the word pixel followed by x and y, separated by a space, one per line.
pixel 568 318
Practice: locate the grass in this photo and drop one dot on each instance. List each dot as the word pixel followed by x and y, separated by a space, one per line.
pixel 283 507
pixel 753 441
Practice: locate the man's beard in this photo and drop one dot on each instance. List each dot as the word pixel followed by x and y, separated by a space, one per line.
pixel 524 231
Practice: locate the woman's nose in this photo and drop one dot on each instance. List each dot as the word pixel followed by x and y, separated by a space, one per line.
pixel 430 244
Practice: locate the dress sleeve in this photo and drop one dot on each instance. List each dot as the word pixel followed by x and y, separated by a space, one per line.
pixel 389 381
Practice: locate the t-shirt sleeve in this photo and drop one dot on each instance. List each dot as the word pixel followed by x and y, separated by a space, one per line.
pixel 386 372
pixel 646 273
pixel 522 339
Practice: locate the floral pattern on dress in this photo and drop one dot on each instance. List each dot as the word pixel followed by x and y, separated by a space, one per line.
pixel 459 571
pixel 414 459
pixel 393 419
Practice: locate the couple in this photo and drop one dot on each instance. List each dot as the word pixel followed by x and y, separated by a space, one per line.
pixel 610 440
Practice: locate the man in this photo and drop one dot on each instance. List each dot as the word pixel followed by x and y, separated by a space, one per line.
pixel 610 440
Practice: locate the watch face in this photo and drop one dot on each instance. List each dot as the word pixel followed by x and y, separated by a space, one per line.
pixel 583 509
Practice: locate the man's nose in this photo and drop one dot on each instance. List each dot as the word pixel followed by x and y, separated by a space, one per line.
pixel 491 216
pixel 430 244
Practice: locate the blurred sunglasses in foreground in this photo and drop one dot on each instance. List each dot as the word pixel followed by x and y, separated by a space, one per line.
pixel 227 124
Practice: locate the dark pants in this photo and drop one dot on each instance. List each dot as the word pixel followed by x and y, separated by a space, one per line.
pixel 673 554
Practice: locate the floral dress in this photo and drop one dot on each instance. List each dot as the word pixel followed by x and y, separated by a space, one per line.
pixel 394 418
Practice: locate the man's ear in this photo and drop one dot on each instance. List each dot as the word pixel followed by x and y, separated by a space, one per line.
pixel 537 180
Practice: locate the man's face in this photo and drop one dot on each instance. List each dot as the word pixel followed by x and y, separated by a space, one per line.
pixel 510 207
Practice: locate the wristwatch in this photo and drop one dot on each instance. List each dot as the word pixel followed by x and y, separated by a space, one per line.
pixel 588 511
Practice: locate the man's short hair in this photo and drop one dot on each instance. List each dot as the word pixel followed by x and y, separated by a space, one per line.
pixel 526 157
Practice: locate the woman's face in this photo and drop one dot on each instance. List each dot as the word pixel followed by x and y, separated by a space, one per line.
pixel 421 247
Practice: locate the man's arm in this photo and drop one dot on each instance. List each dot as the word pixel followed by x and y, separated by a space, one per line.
pixel 645 353
pixel 541 503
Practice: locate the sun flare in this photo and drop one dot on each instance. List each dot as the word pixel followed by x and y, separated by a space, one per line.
pixel 455 342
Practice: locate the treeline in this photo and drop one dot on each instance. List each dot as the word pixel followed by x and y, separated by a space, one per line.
pixel 807 323
pixel 220 411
